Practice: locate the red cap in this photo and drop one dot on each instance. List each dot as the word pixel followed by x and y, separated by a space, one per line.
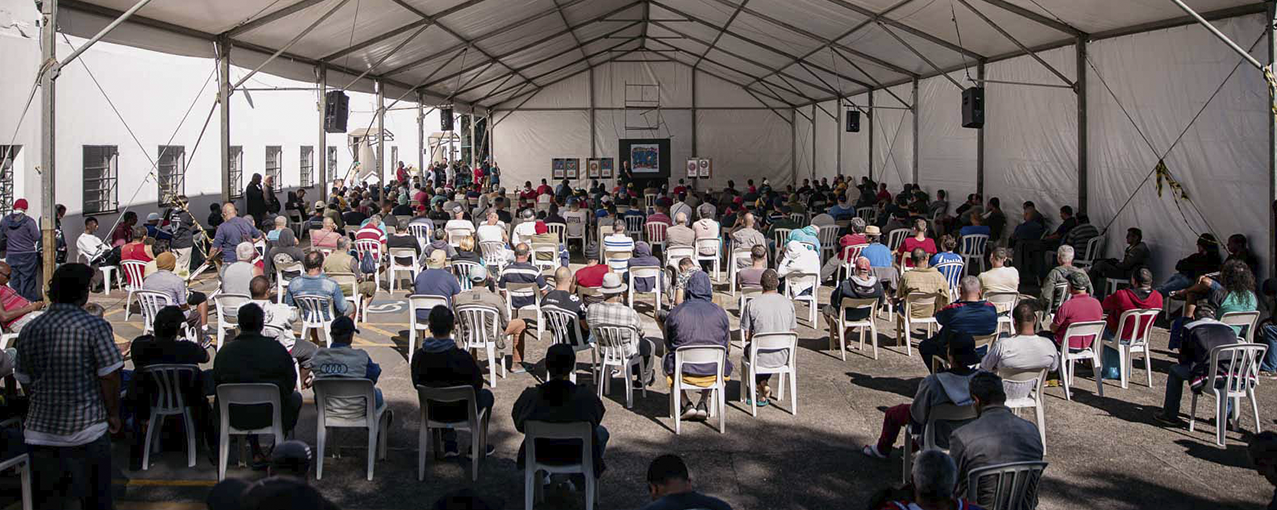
pixel 541 228
pixel 20 203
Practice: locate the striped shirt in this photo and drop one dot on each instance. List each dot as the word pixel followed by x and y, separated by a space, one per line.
pixel 518 273
pixel 618 243
pixel 1078 237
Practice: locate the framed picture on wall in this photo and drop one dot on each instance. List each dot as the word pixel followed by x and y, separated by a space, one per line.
pixel 605 168
pixel 558 166
pixel 692 168
pixel 572 168
pixel 706 167
pixel 592 168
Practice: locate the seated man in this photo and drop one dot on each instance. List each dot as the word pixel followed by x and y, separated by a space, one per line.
pixel 998 436
pixel 1188 269
pixel 643 258
pixel 614 312
pixel 670 486
pixel 282 316
pixel 439 363
pixel 951 386
pixel 1058 277
pixel 521 272
pixel 559 400
pixel 163 348
pixel 15 310
pixel 1193 366
pixel 591 276
pixel 879 256
pixel 680 235
pixel 341 360
pixel 1080 307
pixel 618 247
pixel 860 284
pixel 695 322
pixel 1136 254
pixel 340 261
pixel 922 279
pixel 934 478
pixel 165 281
pixel 751 276
pixel 400 238
pixel 1026 351
pixel 253 358
pixel 481 293
pixel 769 312
pixel 315 283
pixel 746 236
pixel 970 315
pixel 1140 296
pixel 918 240
pixel 1001 277
pixel 563 298
pixel 855 238
pixel 435 280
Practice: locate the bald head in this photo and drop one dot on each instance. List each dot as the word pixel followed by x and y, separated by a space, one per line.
pixel 228 211
pixel 562 278
pixel 749 220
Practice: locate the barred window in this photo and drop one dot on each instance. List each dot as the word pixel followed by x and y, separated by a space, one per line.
pixel 8 156
pixel 101 165
pixel 171 172
pixel 332 164
pixel 274 160
pixel 307 166
pixel 237 171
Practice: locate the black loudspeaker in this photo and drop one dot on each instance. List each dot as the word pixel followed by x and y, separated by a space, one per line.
pixel 973 108
pixel 336 111
pixel 853 121
pixel 445 119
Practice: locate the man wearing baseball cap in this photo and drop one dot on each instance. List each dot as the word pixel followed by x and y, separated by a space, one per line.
pixel 481 294
pixel 19 233
pixel 950 386
pixel 341 360
pixel 435 280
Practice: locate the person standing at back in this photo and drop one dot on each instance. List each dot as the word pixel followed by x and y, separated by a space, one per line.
pixel 670 487
pixel 19 235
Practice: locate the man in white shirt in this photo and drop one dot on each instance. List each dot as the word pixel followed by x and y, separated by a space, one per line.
pixel 618 247
pixel 1001 278
pixel 681 207
pixel 1027 351
pixel 458 223
pixel 89 244
pixel 492 229
pixel 705 228
pixel 524 231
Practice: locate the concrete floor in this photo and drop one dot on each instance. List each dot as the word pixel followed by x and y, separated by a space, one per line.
pixel 1104 452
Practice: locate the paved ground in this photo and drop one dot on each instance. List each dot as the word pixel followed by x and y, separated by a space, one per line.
pixel 1104 452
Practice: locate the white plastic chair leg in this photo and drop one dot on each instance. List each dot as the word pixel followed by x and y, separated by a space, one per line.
pixel 321 439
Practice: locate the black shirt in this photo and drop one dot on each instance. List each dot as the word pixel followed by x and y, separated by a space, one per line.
pixel 353 217
pixel 688 501
pixel 566 301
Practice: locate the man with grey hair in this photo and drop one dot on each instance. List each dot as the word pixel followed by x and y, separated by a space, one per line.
pixel 970 315
pixel 679 234
pixel 1001 277
pixel 706 227
pixel 934 478
pixel 237 275
pixel 998 436
pixel 1058 277
pixel 745 237
pixel 855 237
pixel 458 223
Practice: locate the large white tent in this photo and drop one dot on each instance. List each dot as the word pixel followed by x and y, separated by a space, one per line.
pixel 1084 97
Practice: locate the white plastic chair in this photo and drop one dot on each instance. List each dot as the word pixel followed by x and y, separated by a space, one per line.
pixel 560 231
pixel 565 328
pixel 421 231
pixel 316 313
pixel 938 413
pixel 972 248
pixel 396 267
pixel 351 282
pixel 363 246
pixel 281 280
pixel 23 464
pixel 134 271
pixel 952 272
pixel 1024 390
pixel 539 259
pixel 151 302
pixel 1087 257
pixel 227 306
pixel 715 258
pixel 779 238
pixel 524 290
pixel 828 236
pixel 245 394
pixel 1094 330
pixel 476 423
pixel 906 322
pixel 676 253
pixel 168 400
pixel 1241 378
pixel 372 418
pixel 811 280
pixel 1014 485
pixel 420 302
pixel 897 237
pixel 634 226
pixel 868 324
pixel 493 256
pixel 655 232
pixel 462 269
pixel 108 273
pixel 737 255
pixel 848 256
pixel 478 327
pixel 1004 302
pixel 699 355
pixel 750 368
pixel 581 431
pixel 645 272
pixel 617 350
pixel 1244 320
pixel 870 214
pixel 574 229
pixel 455 235
pixel 1141 323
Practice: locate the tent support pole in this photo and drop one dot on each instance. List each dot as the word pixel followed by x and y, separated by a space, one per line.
pixel 870 116
pixel 421 136
pixel 1215 31
pixel 793 144
pixel 1272 145
pixel 593 130
pixel 224 115
pixel 979 141
pixel 915 130
pixel 48 137
pixel 1083 148
pixel 695 151
pixel 813 142
pixel 321 151
pixel 838 127
pixel 381 136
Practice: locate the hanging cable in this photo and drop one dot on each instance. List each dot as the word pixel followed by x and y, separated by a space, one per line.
pixel 353 22
pixel 954 16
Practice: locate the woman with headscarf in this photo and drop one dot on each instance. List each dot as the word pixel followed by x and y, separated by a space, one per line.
pixel 807 234
pixel 285 246
pixel 799 259
pixel 642 257
pixel 696 322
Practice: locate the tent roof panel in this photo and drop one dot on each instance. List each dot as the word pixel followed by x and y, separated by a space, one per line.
pixel 821 17
pixel 771 34
pixel 578 13
pixel 485 17
pixel 352 23
pixel 514 40
pixel 210 16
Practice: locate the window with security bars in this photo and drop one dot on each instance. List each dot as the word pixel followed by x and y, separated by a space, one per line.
pixel 8 157
pixel 332 162
pixel 171 172
pixel 101 170
pixel 394 157
pixel 274 160
pixel 237 171
pixel 307 166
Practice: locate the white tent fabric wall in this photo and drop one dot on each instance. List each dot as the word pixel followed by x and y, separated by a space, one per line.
pixel 893 138
pixel 609 127
pixel 675 82
pixel 745 143
pixel 946 150
pixel 525 142
pixel 1163 78
pixel 572 92
pixel 855 146
pixel 802 141
pixel 1030 136
pixel 827 132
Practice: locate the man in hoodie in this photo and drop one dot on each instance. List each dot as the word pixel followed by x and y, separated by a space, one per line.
pixel 19 233
pixel 643 258
pixel 559 400
pixel 439 363
pixel 1200 337
pixel 861 284
pixel 695 322
pixel 1140 296
pixel 951 386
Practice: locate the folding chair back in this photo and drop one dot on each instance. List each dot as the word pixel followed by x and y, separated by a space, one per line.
pixel 560 230
pixel 476 422
pixel 870 214
pixel 655 231
pixel 462 270
pixel 897 237
pixel 169 400
pixel 1245 321
pixel 634 226
pixel 246 394
pixel 420 302
pixel 1010 486
pixel 133 273
pixel 151 302
pixel 565 327
pixel 493 254
pixel 537 430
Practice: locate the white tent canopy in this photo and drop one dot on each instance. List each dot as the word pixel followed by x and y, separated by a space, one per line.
pixel 1085 96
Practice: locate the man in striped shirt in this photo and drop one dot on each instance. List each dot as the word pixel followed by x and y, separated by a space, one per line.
pixel 618 247
pixel 521 271
pixel 372 230
pixel 1078 236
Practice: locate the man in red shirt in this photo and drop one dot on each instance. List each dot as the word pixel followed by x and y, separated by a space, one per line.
pixel 544 189
pixel 1080 307
pixel 1140 296
pixel 591 276
pixel 15 310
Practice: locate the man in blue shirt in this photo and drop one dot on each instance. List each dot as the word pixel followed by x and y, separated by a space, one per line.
pixel 435 281
pixel 877 253
pixel 977 226
pixel 970 315
pixel 315 283
pixel 231 232
pixel 841 210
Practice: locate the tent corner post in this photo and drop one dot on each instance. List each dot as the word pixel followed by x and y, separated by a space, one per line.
pixel 1083 142
pixel 421 134
pixel 870 116
pixel 321 152
pixel 1272 143
pixel 224 114
pixel 381 135
pixel 979 138
pixel 914 109
pixel 48 137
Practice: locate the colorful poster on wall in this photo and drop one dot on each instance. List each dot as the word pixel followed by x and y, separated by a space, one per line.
pixel 705 167
pixel 558 165
pixel 592 168
pixel 693 168
pixel 605 168
pixel 572 168
pixel 645 158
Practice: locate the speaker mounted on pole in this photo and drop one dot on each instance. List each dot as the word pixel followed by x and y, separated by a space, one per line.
pixel 445 119
pixel 853 121
pixel 336 111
